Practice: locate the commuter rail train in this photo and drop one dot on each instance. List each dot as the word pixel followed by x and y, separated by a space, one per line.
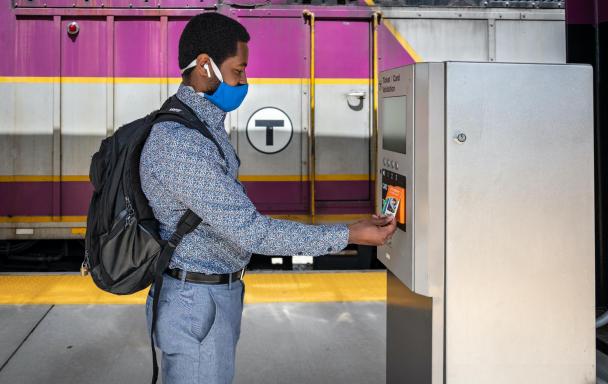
pixel 73 71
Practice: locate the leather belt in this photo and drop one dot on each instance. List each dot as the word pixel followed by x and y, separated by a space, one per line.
pixel 202 278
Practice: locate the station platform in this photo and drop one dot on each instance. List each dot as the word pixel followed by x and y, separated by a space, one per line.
pixel 300 327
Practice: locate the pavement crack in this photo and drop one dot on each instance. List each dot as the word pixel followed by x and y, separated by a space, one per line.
pixel 26 337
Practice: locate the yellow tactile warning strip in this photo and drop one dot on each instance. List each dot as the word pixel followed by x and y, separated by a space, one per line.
pixel 260 288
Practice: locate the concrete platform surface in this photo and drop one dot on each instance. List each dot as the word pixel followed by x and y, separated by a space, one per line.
pixel 16 324
pixel 299 343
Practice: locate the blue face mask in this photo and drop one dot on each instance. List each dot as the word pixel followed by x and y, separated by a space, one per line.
pixel 226 97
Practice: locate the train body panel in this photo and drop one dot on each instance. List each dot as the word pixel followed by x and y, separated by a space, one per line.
pixel 505 35
pixel 63 94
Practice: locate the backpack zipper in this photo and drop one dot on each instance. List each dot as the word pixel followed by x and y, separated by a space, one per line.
pixel 130 211
pixel 85 266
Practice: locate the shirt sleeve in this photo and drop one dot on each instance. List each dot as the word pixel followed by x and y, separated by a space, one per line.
pixel 192 170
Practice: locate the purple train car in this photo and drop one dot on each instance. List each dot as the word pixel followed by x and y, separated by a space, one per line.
pixel 73 71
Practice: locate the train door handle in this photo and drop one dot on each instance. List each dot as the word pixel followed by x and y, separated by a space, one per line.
pixel 360 95
pixel 355 100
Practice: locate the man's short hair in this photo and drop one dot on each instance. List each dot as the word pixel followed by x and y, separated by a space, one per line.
pixel 211 33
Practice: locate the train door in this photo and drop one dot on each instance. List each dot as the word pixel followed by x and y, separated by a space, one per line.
pixel 270 129
pixel 342 119
pixel 84 117
pixel 286 169
pixel 28 126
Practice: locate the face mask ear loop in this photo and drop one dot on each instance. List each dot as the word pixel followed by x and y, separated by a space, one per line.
pixel 216 70
pixel 191 65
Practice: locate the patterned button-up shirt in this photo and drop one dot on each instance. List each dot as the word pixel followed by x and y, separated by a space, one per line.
pixel 181 169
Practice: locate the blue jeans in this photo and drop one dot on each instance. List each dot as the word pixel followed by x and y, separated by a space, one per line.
pixel 197 329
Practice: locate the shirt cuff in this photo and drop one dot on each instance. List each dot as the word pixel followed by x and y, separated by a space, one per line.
pixel 341 236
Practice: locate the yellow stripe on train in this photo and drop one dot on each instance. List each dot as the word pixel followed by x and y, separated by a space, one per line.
pixel 41 178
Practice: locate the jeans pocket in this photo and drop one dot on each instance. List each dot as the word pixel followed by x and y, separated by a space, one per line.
pixel 166 291
pixel 173 316
pixel 204 317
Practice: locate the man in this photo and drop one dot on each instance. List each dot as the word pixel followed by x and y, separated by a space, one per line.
pixel 201 300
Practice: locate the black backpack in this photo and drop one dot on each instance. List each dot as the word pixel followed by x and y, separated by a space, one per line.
pixel 124 251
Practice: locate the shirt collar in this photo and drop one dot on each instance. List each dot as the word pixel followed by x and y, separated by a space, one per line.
pixel 204 109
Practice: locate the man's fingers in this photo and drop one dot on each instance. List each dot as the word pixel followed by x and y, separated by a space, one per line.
pixel 390 233
pixel 378 221
pixel 381 220
pixel 390 227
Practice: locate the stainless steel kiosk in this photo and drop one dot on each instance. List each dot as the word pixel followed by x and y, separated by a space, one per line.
pixel 491 272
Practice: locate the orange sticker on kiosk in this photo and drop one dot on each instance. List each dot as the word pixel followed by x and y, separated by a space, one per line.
pixel 394 203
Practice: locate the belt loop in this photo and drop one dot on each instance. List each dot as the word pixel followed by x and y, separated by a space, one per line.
pixel 182 277
pixel 229 281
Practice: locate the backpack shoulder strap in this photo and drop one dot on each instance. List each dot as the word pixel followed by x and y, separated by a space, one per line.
pixel 187 223
pixel 175 110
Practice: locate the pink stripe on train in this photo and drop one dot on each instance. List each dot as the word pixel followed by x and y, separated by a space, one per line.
pixel 36 198
pixel 280 197
pixel 279 46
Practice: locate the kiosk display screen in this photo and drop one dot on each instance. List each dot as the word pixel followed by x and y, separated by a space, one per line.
pixel 394 123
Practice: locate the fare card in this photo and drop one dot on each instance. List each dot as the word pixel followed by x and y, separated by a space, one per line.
pixel 394 196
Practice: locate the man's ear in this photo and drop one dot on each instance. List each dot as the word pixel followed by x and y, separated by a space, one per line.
pixel 202 65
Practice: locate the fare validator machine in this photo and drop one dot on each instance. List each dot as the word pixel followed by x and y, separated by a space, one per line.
pixel 491 269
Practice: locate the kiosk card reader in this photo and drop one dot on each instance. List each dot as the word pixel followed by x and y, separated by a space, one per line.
pixel 491 269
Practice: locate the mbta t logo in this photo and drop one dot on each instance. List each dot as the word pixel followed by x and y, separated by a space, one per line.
pixel 269 130
pixel 270 124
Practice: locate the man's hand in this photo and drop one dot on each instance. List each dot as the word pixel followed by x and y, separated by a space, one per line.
pixel 376 230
